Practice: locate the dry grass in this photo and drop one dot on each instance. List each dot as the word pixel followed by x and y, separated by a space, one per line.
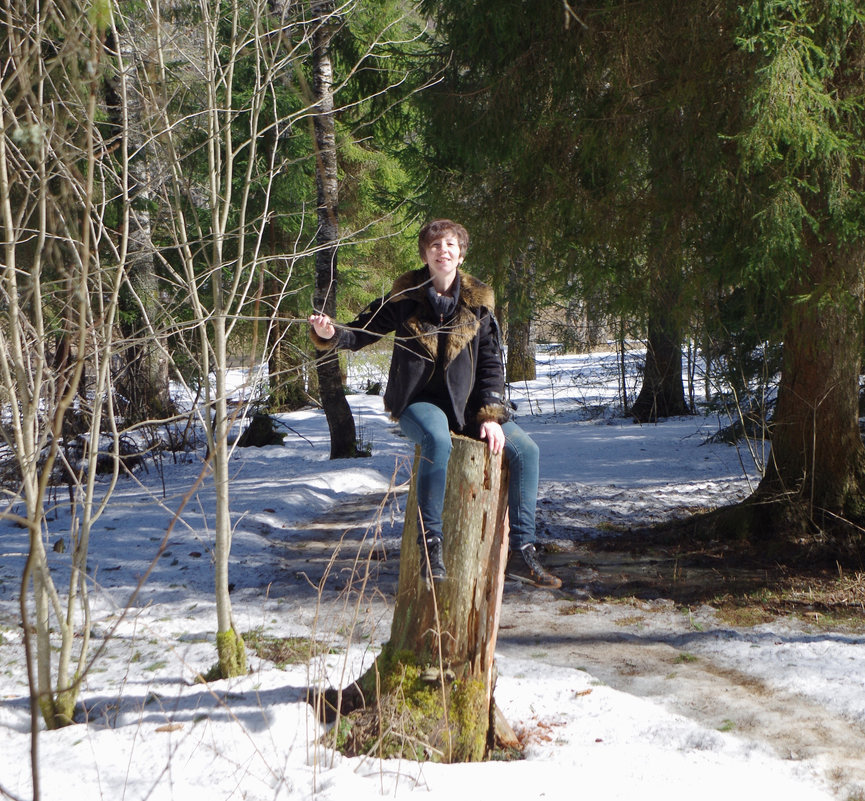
pixel 282 651
pixel 825 602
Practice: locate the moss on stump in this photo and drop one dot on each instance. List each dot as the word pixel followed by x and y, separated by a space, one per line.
pixel 420 712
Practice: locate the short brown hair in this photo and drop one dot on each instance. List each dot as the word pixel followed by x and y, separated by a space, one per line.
pixel 436 228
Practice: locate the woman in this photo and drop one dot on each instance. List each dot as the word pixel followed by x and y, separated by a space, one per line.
pixel 446 375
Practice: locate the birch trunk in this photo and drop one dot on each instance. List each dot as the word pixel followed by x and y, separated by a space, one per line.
pixel 343 438
pixel 230 648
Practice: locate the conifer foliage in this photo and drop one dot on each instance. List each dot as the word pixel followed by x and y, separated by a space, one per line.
pixel 687 168
pixel 802 146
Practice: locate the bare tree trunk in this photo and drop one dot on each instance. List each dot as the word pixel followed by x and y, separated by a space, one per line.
pixel 663 391
pixel 812 493
pixel 439 664
pixel 343 438
pixel 816 476
pixel 521 340
pixel 230 646
pixel 623 371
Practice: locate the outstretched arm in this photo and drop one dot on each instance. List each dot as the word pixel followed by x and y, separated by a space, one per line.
pixel 376 320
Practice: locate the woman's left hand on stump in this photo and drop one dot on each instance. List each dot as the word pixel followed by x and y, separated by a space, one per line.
pixel 494 435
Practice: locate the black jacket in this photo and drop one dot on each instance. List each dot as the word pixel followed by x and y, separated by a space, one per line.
pixel 474 373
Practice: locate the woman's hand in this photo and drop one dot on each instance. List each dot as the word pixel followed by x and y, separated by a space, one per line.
pixel 494 435
pixel 322 325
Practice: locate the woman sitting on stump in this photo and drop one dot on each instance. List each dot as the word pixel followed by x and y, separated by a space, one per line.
pixel 446 374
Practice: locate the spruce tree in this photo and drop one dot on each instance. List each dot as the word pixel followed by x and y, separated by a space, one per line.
pixel 801 148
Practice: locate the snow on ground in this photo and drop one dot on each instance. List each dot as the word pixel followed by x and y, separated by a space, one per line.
pixel 155 733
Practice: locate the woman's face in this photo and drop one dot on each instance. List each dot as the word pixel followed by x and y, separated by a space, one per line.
pixel 443 256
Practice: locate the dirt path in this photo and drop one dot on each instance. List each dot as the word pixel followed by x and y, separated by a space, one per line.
pixel 645 650
pixel 349 559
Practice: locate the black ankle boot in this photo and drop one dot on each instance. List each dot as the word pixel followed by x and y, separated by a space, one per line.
pixel 432 568
pixel 523 565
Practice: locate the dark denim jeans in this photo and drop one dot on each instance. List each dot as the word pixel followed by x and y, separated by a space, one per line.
pixel 427 425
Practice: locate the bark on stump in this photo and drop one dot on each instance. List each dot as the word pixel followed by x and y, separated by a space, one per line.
pixel 429 694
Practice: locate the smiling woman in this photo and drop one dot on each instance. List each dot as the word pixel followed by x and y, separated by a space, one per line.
pixel 441 249
pixel 446 376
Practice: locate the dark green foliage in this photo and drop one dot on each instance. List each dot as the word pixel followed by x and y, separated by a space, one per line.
pixel 698 166
pixel 589 136
pixel 802 144
pixel 646 146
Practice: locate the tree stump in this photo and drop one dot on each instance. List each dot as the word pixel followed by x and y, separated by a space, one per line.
pixel 261 431
pixel 429 694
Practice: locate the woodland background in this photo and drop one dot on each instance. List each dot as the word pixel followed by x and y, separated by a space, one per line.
pixel 180 182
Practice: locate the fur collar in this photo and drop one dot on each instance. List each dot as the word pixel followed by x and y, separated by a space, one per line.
pixel 463 326
pixel 473 293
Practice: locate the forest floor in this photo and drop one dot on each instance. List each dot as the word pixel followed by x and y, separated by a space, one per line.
pixel 633 612
pixel 641 609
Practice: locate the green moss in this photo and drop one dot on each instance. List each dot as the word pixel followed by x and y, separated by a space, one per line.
pixel 64 708
pixel 419 713
pixel 46 705
pixel 469 719
pixel 232 656
pixel 385 673
pixel 684 658
pixel 58 711
pixel 339 737
pixel 421 700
